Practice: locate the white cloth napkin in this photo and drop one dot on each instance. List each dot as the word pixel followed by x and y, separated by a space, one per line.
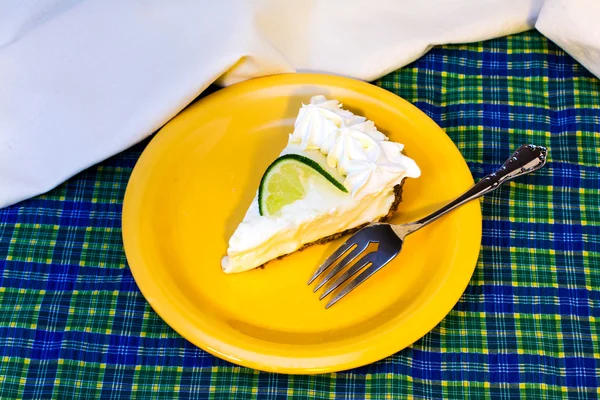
pixel 81 80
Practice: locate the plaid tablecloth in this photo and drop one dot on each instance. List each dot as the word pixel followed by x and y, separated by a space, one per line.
pixel 73 323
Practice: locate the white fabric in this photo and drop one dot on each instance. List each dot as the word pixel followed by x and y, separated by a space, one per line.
pixel 574 25
pixel 81 80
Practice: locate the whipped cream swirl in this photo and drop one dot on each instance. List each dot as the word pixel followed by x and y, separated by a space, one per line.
pixel 367 160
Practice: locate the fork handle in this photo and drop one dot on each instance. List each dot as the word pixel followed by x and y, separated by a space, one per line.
pixel 525 159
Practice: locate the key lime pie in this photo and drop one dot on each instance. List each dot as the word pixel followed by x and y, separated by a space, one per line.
pixel 336 174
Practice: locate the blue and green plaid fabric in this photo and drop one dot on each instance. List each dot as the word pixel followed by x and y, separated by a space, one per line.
pixel 73 323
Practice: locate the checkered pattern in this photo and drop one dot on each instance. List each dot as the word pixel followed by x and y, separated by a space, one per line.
pixel 73 324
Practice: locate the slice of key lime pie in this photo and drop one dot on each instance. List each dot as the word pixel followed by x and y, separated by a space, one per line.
pixel 336 174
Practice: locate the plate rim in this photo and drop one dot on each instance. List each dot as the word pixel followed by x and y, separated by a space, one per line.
pixel 313 79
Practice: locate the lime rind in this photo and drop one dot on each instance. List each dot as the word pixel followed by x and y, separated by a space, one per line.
pixel 293 187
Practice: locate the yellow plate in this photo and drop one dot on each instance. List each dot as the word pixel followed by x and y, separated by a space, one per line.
pixel 193 184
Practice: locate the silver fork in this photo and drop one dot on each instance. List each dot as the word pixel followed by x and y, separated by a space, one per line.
pixel 389 238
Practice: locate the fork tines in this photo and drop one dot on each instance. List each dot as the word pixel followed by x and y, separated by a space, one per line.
pixel 354 253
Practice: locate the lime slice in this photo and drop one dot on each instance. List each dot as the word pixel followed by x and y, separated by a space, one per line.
pixel 285 181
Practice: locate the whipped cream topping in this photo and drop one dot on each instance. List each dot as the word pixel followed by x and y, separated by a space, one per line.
pixel 367 160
